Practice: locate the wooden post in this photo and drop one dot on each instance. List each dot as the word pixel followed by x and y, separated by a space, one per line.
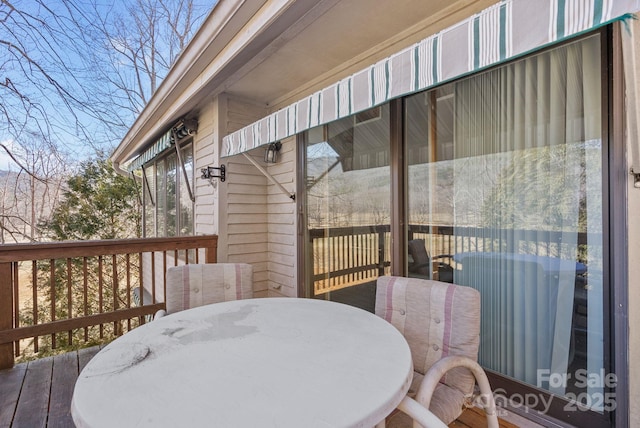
pixel 211 252
pixel 6 313
pixel 381 253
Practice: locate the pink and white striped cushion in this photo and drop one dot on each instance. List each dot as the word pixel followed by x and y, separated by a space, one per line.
pixel 194 285
pixel 437 319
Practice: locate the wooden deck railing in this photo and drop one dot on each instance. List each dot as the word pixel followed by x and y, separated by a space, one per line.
pixel 62 293
pixel 347 256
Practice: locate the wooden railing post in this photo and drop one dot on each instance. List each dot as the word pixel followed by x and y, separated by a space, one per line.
pixel 6 313
pixel 211 251
pixel 381 252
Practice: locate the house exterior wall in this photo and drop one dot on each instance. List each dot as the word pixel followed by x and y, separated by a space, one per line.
pixel 259 221
pixel 151 262
pixel 243 198
pixel 244 210
pixel 282 226
pixel 206 218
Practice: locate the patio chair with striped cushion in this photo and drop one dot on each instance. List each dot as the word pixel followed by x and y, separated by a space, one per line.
pixel 194 285
pixel 441 323
pixel 142 297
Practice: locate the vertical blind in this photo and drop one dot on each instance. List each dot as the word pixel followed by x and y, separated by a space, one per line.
pixel 528 145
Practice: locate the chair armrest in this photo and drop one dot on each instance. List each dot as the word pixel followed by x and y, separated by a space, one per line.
pixel 438 370
pixel 443 256
pixel 414 266
pixel 419 266
pixel 141 294
pixel 420 414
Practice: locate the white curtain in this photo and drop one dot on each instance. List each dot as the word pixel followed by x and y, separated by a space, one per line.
pixel 527 185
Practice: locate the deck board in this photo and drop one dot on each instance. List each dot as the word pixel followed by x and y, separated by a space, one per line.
pixel 475 417
pixel 65 373
pixel 86 354
pixel 11 381
pixel 33 403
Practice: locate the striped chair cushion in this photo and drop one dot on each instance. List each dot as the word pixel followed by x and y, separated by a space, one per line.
pixel 194 285
pixel 437 319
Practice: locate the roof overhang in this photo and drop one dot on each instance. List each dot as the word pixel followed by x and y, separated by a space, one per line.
pixel 274 52
pixel 502 32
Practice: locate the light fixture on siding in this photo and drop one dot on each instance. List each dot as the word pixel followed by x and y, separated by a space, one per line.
pixel 271 153
pixel 210 172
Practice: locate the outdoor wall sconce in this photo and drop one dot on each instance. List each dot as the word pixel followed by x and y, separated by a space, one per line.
pixel 209 172
pixel 271 153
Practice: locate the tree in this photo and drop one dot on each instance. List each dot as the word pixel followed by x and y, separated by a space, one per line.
pixel 129 48
pixel 40 90
pixel 75 74
pixel 29 198
pixel 73 77
pixel 133 48
pixel 98 203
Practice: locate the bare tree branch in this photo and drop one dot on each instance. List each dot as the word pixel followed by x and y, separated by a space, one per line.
pixel 75 74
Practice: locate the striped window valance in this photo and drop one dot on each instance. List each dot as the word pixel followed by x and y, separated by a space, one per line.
pixel 501 32
pixel 156 148
pixel 182 129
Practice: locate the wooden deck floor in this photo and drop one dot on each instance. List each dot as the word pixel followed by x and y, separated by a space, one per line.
pixel 38 393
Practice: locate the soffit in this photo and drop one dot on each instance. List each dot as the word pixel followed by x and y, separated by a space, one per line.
pixel 274 51
pixel 345 37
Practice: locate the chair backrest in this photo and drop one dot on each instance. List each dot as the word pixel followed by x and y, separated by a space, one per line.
pixel 418 252
pixel 194 285
pixel 142 297
pixel 438 319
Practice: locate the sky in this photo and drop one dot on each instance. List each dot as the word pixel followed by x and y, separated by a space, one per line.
pixel 6 163
pixel 56 45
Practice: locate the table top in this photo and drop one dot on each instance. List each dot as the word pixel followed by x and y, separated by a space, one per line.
pixel 282 362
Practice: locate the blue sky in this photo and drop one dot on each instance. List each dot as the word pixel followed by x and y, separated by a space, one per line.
pixel 5 160
pixel 64 59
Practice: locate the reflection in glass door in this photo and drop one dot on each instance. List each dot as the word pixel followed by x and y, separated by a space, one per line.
pixel 348 207
pixel 505 194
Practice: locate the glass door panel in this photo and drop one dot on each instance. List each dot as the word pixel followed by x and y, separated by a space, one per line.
pixel 348 207
pixel 505 194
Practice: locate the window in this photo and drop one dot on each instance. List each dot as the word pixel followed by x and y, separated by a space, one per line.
pixel 348 208
pixel 168 207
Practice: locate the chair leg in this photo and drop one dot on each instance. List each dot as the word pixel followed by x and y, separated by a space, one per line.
pixel 422 417
pixel 438 370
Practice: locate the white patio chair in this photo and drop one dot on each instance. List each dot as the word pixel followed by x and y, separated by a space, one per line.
pixel 142 297
pixel 441 323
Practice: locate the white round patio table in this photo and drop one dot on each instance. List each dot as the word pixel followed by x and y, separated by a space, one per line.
pixel 272 362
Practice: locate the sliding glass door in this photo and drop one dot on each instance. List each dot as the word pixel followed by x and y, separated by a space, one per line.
pixel 505 195
pixel 348 207
pixel 502 188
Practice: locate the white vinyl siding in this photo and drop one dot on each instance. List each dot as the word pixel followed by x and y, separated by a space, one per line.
pixel 259 220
